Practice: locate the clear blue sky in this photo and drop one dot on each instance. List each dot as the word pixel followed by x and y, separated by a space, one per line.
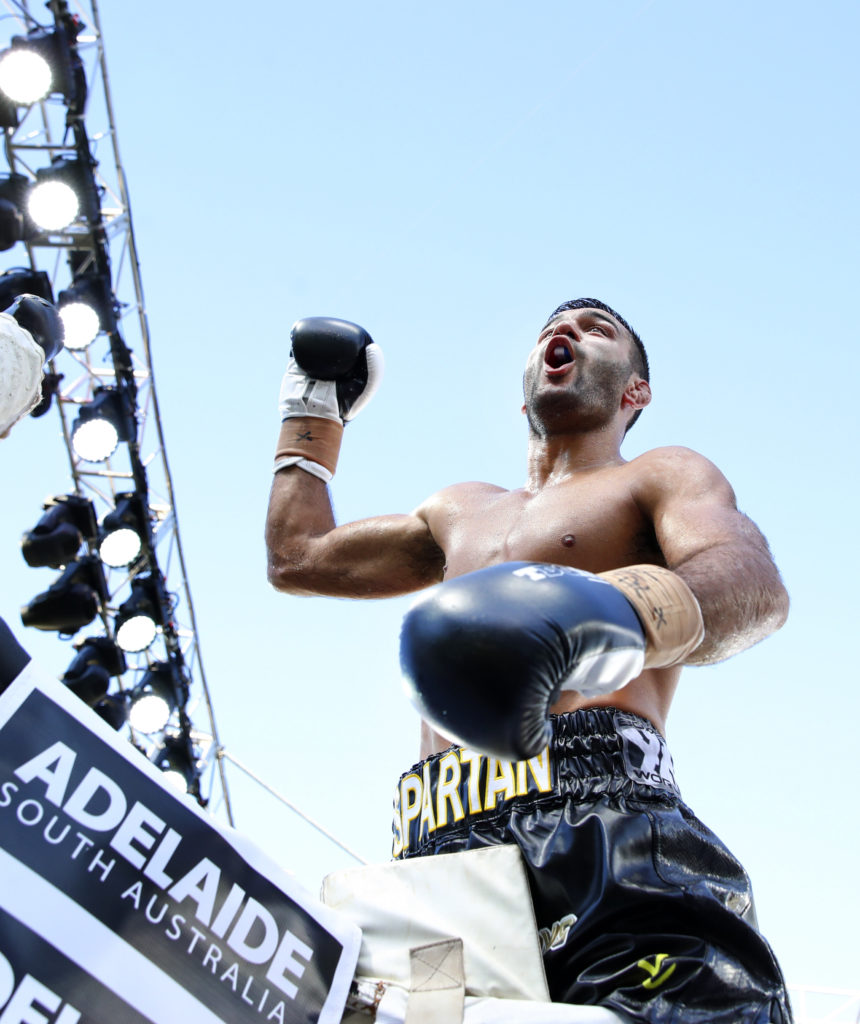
pixel 445 175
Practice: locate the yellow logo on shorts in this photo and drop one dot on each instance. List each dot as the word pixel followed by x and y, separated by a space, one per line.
pixel 459 783
pixel 655 978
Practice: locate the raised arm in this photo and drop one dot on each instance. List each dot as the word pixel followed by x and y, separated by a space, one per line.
pixel 717 550
pixel 309 554
pixel 333 370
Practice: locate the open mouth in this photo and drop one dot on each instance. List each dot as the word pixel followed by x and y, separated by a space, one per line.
pixel 558 355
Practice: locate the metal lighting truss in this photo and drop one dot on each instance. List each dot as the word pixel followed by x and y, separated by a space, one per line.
pixel 105 245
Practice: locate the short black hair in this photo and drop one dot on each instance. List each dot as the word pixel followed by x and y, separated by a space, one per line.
pixel 639 360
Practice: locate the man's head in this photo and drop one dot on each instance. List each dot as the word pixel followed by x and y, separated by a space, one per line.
pixel 621 362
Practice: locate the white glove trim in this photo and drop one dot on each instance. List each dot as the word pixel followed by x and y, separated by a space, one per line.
pixel 375 370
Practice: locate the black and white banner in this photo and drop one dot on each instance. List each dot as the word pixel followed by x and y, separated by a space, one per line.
pixel 120 901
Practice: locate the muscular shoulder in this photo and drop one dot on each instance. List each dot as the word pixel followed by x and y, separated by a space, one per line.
pixel 673 458
pixel 677 472
pixel 444 511
pixel 457 497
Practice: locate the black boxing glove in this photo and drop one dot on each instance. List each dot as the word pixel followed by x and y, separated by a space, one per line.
pixel 334 369
pixel 485 655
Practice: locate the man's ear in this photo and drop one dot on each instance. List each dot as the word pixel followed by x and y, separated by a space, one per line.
pixel 636 395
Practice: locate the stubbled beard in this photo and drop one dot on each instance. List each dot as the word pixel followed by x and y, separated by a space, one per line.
pixel 590 405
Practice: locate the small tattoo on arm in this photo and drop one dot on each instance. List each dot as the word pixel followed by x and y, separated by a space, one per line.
pixel 638 583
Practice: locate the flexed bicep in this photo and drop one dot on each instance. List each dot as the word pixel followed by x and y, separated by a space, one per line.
pixel 308 553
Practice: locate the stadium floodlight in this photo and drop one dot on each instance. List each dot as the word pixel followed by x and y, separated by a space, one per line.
pixel 89 674
pixel 177 760
pixel 25 75
pixel 139 617
pixel 69 520
pixel 16 225
pixel 123 531
pixel 50 387
pixel 154 699
pixel 40 64
pixel 113 709
pixel 102 423
pixel 72 601
pixel 86 308
pixel 24 281
pixel 62 193
pixel 8 112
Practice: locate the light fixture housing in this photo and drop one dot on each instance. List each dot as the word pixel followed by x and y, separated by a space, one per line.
pixel 123 531
pixel 8 112
pixel 72 601
pixel 86 308
pixel 139 617
pixel 113 709
pixel 40 64
pixel 69 520
pixel 50 388
pixel 19 281
pixel 16 225
pixel 154 699
pixel 89 674
pixel 25 73
pixel 62 193
pixel 102 424
pixel 176 758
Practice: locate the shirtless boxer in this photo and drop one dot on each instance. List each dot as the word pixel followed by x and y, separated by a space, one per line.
pixel 641 908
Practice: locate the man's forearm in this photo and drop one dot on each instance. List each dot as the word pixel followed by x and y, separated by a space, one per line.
pixel 299 510
pixel 742 597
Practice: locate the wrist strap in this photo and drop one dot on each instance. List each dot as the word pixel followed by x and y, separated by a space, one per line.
pixel 314 468
pixel 667 608
pixel 312 438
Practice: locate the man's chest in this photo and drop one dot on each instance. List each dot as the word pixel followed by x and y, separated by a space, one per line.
pixel 590 527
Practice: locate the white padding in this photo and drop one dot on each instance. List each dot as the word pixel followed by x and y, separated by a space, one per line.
pixel 438 983
pixel 480 896
pixel 21 362
pixel 392 1010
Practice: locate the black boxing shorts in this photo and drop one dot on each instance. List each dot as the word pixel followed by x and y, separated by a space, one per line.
pixel 640 907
